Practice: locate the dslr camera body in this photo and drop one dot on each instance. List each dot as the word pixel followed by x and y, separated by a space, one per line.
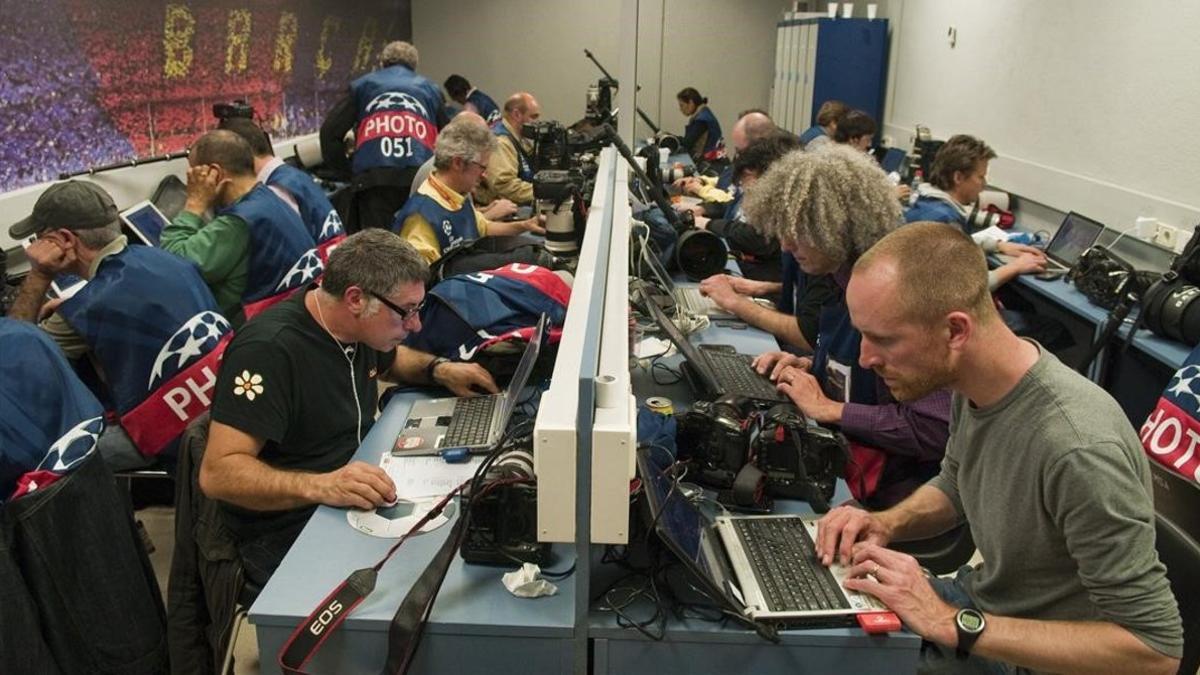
pixel 503 525
pixel 800 460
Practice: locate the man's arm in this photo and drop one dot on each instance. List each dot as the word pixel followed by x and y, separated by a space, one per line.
pixel 232 472
pixel 502 176
pixel 413 366
pixel 341 118
pixel 783 326
pixel 925 513
pixel 1045 646
pixel 30 296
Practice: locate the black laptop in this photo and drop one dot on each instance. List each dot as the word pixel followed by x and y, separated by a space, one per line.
pixel 715 370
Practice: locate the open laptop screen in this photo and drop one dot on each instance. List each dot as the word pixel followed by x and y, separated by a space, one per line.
pixel 146 221
pixel 524 368
pixel 1076 235
pixel 676 520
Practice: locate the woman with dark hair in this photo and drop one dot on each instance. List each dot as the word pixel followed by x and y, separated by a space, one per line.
pixel 702 135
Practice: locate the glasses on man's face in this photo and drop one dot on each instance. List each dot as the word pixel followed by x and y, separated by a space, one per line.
pixel 404 314
pixel 481 165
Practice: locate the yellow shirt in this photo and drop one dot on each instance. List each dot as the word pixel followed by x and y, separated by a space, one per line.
pixel 501 179
pixel 420 233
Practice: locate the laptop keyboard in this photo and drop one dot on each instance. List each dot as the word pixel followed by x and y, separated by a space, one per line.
pixel 697 303
pixel 735 374
pixel 785 564
pixel 471 421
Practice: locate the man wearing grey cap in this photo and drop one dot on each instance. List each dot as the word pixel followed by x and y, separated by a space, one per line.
pixel 145 319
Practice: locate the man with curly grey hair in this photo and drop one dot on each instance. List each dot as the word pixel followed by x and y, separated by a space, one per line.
pixel 827 208
pixel 395 115
pixel 442 212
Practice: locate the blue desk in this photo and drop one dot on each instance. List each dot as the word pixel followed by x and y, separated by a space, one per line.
pixel 700 647
pixel 476 625
pixel 1135 377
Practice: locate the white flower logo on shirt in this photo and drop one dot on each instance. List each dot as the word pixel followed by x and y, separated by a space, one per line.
pixel 248 385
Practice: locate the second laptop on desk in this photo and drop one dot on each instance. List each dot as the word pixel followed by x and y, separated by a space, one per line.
pixel 473 422
pixel 716 370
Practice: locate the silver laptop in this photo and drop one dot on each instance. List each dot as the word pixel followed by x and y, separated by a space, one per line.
pixel 145 221
pixel 476 423
pixel 1075 235
pixel 688 297
pixel 762 567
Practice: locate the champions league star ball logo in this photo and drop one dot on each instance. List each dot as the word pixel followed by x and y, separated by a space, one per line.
pixel 1184 385
pixel 307 268
pixel 397 100
pixel 332 226
pixel 73 446
pixel 194 339
pixel 447 228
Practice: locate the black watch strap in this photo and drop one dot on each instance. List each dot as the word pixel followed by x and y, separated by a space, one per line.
pixel 437 361
pixel 966 637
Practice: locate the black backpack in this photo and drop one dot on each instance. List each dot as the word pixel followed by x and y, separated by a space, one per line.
pixel 488 253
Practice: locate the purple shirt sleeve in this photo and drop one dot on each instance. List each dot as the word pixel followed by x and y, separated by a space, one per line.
pixel 917 429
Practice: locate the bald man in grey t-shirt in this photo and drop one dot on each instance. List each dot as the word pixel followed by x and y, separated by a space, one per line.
pixel 1041 463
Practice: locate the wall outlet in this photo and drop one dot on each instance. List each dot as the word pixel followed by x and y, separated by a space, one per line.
pixel 1166 236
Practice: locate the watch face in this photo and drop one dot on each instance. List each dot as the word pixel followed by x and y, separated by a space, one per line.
pixel 970 621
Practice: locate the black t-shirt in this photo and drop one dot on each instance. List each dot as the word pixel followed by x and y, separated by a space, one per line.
pixel 285 380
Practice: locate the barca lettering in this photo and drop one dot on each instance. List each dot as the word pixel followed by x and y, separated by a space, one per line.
pixel 329 28
pixel 178 29
pixel 285 43
pixel 366 44
pixel 237 51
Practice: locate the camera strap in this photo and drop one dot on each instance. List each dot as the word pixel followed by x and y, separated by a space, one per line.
pixel 405 633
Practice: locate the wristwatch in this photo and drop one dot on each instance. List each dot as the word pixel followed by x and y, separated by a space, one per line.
pixel 433 366
pixel 970 624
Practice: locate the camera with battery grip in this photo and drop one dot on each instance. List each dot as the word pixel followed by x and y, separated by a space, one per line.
pixel 503 514
pixel 796 459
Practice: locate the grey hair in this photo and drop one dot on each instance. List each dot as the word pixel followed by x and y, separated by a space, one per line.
pixel 399 52
pixel 836 199
pixel 464 138
pixel 374 260
pixel 97 238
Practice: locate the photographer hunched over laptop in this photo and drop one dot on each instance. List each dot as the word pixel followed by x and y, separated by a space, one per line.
pixel 827 208
pixel 1042 464
pixel 296 395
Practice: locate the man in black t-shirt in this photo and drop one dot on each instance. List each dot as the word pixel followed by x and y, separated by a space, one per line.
pixel 296 393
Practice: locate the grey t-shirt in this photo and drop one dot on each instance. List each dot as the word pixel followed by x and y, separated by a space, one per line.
pixel 1056 488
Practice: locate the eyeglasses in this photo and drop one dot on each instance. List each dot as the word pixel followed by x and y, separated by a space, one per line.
pixel 481 165
pixel 404 314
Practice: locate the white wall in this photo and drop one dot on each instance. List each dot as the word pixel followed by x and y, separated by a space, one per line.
pixel 724 48
pixel 1091 104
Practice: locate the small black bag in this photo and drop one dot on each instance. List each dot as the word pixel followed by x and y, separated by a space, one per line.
pixel 1169 307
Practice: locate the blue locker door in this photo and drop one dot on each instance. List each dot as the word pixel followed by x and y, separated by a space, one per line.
pixel 851 65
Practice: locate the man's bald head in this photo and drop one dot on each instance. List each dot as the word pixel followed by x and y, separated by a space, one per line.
pixel 469 117
pixel 751 127
pixel 521 108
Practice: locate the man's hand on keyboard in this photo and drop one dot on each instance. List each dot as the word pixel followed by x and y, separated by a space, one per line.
pixel 772 364
pixel 465 379
pixel 899 582
pixel 720 289
pixel 358 485
pixel 844 526
pixel 804 390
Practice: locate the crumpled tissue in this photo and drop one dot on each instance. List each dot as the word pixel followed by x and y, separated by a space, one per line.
pixel 524 583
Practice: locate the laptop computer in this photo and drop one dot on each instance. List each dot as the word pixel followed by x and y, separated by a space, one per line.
pixel 893 160
pixel 476 423
pixel 762 567
pixel 715 370
pixel 1075 235
pixel 145 221
pixel 688 298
